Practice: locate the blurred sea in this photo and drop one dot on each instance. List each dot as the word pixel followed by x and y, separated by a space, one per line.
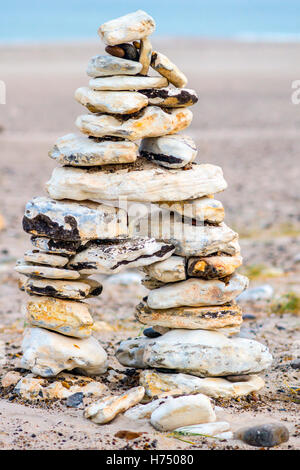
pixel 56 20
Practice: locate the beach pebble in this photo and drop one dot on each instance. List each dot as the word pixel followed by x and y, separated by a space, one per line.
pixel 79 150
pixel 147 182
pixel 159 384
pixel 166 68
pixel 10 378
pixel 106 409
pixel 264 292
pixel 112 256
pixel 68 220
pixel 295 364
pixel 152 121
pixel 183 411
pixel 197 292
pixel 171 151
pixel 264 435
pixel 47 353
pixel 204 209
pixel 111 102
pixel 144 411
pixel 75 400
pixel 127 83
pixel 74 290
pixel 151 333
pixel 126 50
pixel 107 65
pixel 169 270
pixel 127 28
pixel 191 318
pixel 47 272
pixel 145 55
pixel 40 257
pixel 151 283
pixel 171 97
pixel 116 51
pixel 213 267
pixel 63 316
pixel 205 429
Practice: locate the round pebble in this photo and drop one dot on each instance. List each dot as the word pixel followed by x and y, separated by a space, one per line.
pixel 265 435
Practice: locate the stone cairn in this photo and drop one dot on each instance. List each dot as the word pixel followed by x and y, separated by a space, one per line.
pixel 186 250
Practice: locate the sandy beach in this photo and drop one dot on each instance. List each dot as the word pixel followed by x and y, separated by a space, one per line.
pixel 246 123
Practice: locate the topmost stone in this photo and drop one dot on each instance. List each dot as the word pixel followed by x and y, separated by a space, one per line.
pixel 127 28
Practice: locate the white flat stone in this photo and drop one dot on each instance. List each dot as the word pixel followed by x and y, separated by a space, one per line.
pixel 158 384
pixel 204 209
pixel 197 352
pixel 46 353
pixel 167 69
pixel 106 409
pixel 40 257
pixel 68 220
pixel 171 151
pixel 127 28
pixel 205 429
pixel 151 121
pixel 212 267
pixel 128 82
pixel 186 410
pixel 79 150
pixel 169 270
pixel 196 292
pixel 106 65
pixel 29 269
pixel 191 318
pixel 112 257
pixel 112 102
pixel 63 316
pixel 147 183
pixel 171 97
pixel 74 290
pixel 49 245
pixel 144 411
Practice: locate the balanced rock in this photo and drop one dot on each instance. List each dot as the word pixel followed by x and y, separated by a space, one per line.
pixel 183 411
pixel 106 65
pixel 197 292
pixel 151 121
pixel 50 245
pixel 125 50
pixel 191 318
pixel 131 82
pixel 169 270
pixel 29 269
pixel 264 435
pixel 77 150
pixel 112 256
pixel 197 352
pixel 145 183
pixel 127 28
pixel 171 151
pixel 40 257
pixel 112 102
pixel 106 409
pixel 204 209
pixel 145 55
pixel 47 353
pixel 212 267
pixel 68 220
pixel 167 69
pixel 75 290
pixel 63 316
pixel 171 97
pixel 158 384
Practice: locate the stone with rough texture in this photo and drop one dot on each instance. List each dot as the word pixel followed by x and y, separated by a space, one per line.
pixel 113 256
pixel 29 269
pixel 105 410
pixel 47 353
pixel 158 384
pixel 63 316
pixel 147 183
pixel 151 121
pixel 68 220
pixel 189 240
pixel 171 97
pixel 205 429
pixel 111 102
pixel 171 151
pixel 40 257
pixel 183 411
pixel 50 245
pixel 151 283
pixel 205 209
pixel 144 411
pixel 197 352
pixel 10 378
pixel 191 318
pixel 263 435
pixel 106 65
pixel 127 28
pixel 74 290
pixel 167 69
pixel 169 270
pixel 131 82
pixel 145 55
pixel 213 267
pixel 79 150
pixel 196 292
